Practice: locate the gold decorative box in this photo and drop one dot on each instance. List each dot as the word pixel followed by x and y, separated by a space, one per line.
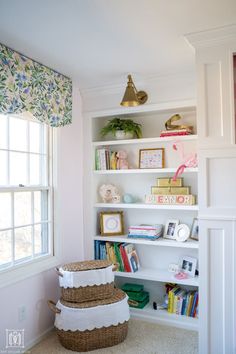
pixel 168 182
pixel 170 190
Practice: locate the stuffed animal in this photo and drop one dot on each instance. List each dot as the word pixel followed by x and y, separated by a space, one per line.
pixel 122 161
pixel 109 193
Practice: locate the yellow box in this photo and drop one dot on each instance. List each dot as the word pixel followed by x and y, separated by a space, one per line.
pixel 170 190
pixel 168 182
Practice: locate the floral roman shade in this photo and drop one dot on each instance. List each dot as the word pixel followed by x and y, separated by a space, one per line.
pixel 27 86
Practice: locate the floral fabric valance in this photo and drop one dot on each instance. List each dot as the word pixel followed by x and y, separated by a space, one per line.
pixel 26 85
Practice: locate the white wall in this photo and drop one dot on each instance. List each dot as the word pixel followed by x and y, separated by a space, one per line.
pixel 35 291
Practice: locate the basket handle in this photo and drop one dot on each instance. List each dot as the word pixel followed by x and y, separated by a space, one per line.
pixel 52 306
pixel 58 272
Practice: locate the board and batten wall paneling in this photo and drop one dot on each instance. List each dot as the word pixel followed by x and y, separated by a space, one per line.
pixel 217 176
pixel 217 279
pixel 215 49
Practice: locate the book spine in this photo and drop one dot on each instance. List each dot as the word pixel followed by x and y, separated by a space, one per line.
pixel 118 257
pixel 125 259
pixel 174 134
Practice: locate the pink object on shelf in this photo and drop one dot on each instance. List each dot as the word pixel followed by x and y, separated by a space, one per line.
pixel 181 275
pixel 189 160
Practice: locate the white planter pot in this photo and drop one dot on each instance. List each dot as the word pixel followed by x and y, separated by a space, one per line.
pixel 120 135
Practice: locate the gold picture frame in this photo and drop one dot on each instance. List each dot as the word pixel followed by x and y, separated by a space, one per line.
pixel 111 223
pixel 152 158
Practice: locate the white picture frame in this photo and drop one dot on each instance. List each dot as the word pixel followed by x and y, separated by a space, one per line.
pixel 188 265
pixel 194 230
pixel 170 227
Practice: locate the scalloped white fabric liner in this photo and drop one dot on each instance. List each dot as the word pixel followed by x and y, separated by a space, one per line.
pixel 86 278
pixel 75 319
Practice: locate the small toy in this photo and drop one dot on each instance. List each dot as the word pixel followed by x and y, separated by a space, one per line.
pixel 109 193
pixel 128 198
pixel 189 160
pixel 181 275
pixel 122 161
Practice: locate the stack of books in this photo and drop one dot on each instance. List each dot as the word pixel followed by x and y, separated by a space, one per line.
pixel 183 302
pixel 170 192
pixel 148 232
pixel 177 132
pixel 124 255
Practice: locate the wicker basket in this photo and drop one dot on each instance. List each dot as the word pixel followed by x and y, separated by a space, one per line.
pixel 96 338
pixel 80 293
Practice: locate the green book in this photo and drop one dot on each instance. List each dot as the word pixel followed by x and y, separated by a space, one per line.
pixel 132 287
pixel 118 257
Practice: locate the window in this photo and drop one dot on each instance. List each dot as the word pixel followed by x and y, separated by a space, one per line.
pixel 25 190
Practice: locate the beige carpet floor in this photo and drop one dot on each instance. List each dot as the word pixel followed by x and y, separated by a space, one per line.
pixel 143 338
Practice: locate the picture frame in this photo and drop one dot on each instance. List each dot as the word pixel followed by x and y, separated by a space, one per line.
pixel 188 265
pixel 170 228
pixel 151 158
pixel 111 223
pixel 194 230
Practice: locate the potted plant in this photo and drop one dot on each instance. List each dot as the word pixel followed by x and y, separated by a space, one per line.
pixel 122 128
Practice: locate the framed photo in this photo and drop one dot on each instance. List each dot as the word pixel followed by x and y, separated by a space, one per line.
pixel 194 229
pixel 151 158
pixel 170 229
pixel 188 265
pixel 112 223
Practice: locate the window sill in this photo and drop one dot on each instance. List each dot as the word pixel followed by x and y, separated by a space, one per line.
pixel 24 271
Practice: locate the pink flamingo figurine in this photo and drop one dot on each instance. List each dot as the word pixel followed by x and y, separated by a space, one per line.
pixel 189 160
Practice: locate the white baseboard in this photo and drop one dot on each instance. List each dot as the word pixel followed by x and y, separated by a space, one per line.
pixel 38 339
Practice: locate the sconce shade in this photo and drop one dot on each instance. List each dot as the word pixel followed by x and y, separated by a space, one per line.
pixel 132 97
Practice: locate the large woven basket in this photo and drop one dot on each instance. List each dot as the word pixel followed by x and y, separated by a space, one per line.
pixel 82 293
pixel 96 338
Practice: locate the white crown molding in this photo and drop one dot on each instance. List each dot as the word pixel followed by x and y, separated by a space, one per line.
pixel 140 84
pixel 211 37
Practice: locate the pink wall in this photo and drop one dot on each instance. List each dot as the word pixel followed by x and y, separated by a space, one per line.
pixel 33 292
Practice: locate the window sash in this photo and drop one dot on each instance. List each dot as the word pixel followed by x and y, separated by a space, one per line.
pixel 44 185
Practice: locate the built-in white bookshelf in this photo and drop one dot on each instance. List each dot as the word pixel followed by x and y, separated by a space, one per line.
pixel 155 256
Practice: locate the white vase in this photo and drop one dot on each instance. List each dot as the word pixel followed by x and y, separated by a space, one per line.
pixel 121 134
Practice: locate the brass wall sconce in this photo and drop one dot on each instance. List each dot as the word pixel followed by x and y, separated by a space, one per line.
pixel 132 96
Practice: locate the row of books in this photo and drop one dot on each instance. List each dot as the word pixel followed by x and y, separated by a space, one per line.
pixel 183 302
pixel 123 255
pixel 102 159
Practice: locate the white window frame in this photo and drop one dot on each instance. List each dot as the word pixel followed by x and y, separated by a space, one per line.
pixel 37 265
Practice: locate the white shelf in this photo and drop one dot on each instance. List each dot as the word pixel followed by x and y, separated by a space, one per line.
pixel 158 275
pixel 164 317
pixel 161 242
pixel 165 139
pixel 146 206
pixel 143 170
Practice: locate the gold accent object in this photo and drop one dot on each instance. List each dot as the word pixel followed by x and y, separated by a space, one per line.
pixel 170 126
pixel 170 190
pixel 168 182
pixel 132 96
pixel 112 223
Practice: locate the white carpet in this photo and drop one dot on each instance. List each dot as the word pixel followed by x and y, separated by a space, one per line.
pixel 143 338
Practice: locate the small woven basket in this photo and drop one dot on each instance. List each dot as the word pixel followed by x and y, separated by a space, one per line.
pixel 90 292
pixel 83 341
